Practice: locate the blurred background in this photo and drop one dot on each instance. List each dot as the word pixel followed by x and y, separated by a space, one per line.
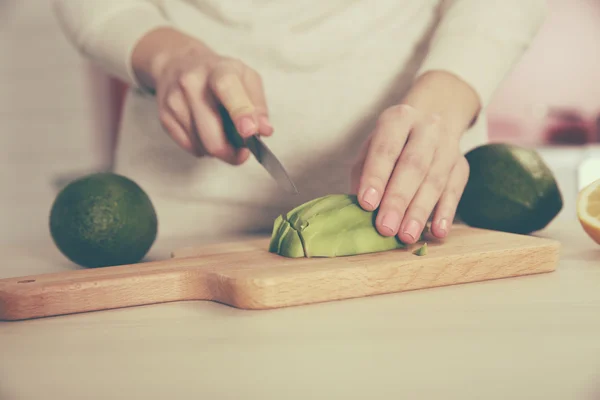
pixel 58 114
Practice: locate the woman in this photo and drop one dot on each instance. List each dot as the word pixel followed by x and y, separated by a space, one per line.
pixel 378 98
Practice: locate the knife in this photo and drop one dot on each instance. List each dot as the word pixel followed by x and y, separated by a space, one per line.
pixel 261 152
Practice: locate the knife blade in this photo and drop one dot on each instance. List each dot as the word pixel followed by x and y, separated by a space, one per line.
pixel 269 161
pixel 261 152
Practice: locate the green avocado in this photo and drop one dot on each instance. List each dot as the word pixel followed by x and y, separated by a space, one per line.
pixel 329 226
pixel 103 219
pixel 509 189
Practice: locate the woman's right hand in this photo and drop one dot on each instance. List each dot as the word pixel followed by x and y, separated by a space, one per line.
pixel 192 83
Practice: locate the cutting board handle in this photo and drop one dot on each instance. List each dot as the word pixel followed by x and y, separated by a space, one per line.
pixel 106 288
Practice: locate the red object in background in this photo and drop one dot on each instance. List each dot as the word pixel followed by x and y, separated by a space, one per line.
pixel 117 90
pixel 557 69
pixel 569 127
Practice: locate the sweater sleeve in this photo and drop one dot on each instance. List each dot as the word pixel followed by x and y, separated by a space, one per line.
pixel 480 41
pixel 106 31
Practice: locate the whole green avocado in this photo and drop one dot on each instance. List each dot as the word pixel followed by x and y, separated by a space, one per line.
pixel 103 219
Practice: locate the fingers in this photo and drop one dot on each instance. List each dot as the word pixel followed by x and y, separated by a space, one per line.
pixel 207 125
pixel 427 196
pixel 253 83
pixel 227 83
pixel 410 171
pixel 385 147
pixel 190 109
pixel 176 104
pixel 448 202
pixel 419 170
pixel 174 117
pixel 176 131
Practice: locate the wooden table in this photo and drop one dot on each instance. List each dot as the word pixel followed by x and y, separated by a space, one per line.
pixel 535 337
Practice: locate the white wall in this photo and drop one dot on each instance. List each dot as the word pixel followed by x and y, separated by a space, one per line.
pixel 45 116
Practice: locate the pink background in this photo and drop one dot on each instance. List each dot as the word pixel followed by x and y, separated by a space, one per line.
pixel 561 69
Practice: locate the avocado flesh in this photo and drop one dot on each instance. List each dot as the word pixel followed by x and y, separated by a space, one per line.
pixel 329 226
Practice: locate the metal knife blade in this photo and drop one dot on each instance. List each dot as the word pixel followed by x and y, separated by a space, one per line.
pixel 270 162
pixel 260 150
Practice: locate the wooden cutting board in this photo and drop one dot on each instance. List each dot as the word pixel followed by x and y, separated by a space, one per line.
pixel 245 275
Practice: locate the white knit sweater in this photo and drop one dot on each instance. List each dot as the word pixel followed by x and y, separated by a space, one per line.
pixel 329 68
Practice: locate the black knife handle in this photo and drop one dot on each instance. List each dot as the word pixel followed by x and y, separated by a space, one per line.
pixel 231 132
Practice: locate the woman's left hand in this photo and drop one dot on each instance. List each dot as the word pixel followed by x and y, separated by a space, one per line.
pixel 411 165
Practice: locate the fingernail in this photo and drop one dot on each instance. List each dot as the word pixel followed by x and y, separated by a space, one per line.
pixel 391 221
pixel 443 226
pixel 247 126
pixel 371 197
pixel 264 121
pixel 412 229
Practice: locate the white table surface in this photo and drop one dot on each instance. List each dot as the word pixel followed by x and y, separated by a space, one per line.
pixel 535 337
